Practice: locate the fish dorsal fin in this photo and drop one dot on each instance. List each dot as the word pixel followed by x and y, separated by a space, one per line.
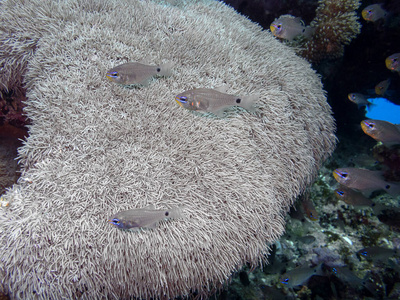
pixel 149 207
pixel 299 21
pixel 145 60
pixel 221 89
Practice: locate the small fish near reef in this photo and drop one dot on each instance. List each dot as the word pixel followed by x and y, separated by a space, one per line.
pixel 288 27
pixel 352 197
pixel 393 62
pixel 213 100
pixel 382 131
pixel 358 99
pixel 147 217
pixel 373 13
pixel 137 73
pixel 381 87
pixel 365 180
pixel 300 275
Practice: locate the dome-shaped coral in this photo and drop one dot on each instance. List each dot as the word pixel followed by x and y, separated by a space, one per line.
pixel 96 148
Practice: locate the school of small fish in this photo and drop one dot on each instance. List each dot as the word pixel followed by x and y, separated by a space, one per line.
pixel 205 100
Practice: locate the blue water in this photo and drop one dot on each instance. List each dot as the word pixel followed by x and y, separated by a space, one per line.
pixel 383 109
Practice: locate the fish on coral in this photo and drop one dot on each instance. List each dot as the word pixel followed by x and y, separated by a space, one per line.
pixel 381 87
pixel 147 217
pixel 373 13
pixel 288 27
pixel 393 62
pixel 365 180
pixel 137 73
pixel 352 197
pixel 358 99
pixel 213 100
pixel 382 131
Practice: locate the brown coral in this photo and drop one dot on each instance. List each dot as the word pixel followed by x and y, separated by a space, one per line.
pixel 335 26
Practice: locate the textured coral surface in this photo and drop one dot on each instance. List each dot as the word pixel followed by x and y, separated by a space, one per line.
pixel 96 148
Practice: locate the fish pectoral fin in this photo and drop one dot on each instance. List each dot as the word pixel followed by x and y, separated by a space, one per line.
pixel 152 225
pixel 146 82
pixel 219 113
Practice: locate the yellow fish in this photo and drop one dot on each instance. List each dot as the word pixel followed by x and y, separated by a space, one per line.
pixel 393 62
pixel 137 73
pixel 214 101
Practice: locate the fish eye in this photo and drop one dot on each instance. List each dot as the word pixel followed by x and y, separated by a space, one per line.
pixel 238 100
pixel 115 221
pixel 158 69
pixel 113 74
pixel 166 213
pixel 370 125
pixel 279 26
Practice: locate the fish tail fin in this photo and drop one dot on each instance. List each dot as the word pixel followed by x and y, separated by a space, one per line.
pixel 308 32
pixel 175 212
pixel 166 69
pixel 249 101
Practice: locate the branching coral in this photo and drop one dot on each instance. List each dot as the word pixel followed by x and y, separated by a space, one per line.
pixel 335 26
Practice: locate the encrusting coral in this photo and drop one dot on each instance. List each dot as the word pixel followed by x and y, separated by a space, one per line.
pixel 336 24
pixel 96 148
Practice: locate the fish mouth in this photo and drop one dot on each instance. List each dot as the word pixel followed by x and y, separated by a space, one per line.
pixel 364 126
pixel 389 64
pixel 109 77
pixel 272 28
pixel 177 99
pixel 337 175
pixel 364 14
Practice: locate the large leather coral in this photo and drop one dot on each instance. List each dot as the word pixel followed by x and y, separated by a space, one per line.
pixel 95 148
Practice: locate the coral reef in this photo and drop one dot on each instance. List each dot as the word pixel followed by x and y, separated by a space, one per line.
pixel 335 26
pixel 96 148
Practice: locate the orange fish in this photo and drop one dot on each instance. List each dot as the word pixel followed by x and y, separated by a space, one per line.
pixel 382 131
pixel 393 62
pixel 365 180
